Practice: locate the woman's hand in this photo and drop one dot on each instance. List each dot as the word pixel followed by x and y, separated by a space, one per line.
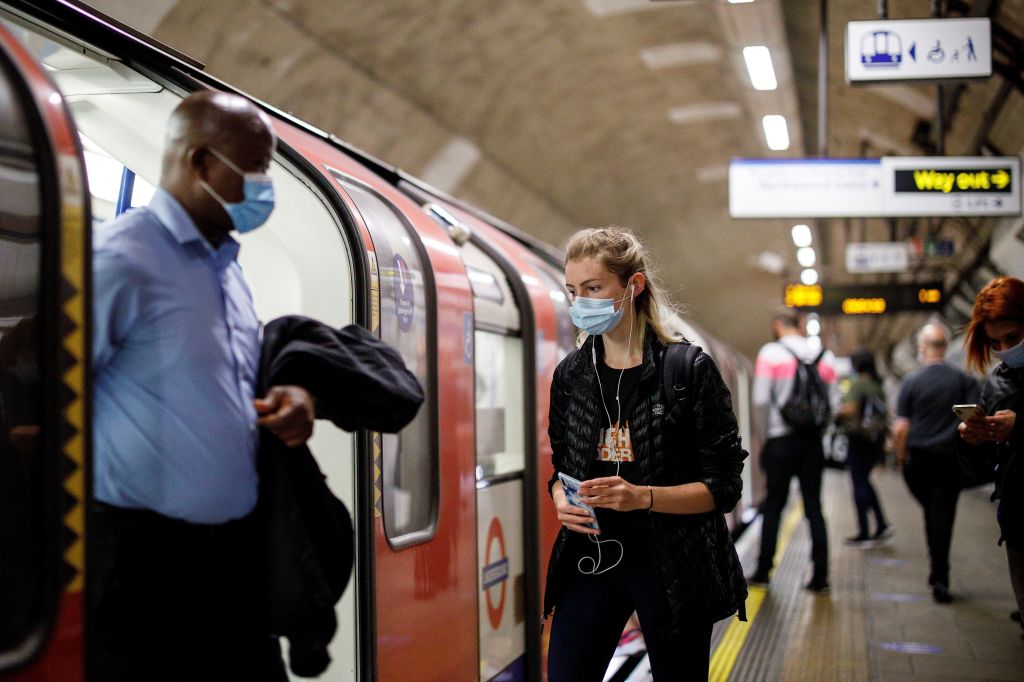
pixel 570 516
pixel 614 492
pixel 994 429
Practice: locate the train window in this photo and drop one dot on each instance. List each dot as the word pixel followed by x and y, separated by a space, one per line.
pixel 409 458
pixel 499 405
pixel 23 477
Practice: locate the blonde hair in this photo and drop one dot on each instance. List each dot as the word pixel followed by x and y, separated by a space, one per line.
pixel 622 253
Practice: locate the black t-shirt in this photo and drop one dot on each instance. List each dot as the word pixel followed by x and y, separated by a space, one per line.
pixel 927 398
pixel 615 446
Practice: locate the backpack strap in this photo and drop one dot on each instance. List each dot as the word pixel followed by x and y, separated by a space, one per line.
pixel 799 359
pixel 678 370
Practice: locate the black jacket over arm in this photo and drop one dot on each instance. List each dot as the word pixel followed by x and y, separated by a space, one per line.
pixel 357 381
pixel 677 441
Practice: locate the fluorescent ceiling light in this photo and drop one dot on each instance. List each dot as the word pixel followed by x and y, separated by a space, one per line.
pixel 813 327
pixel 801 236
pixel 805 256
pixel 739 2
pixel 809 276
pixel 703 112
pixel 759 66
pixel 604 8
pixel 776 133
pixel 680 54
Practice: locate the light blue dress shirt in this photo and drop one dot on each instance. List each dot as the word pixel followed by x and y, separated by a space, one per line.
pixel 175 355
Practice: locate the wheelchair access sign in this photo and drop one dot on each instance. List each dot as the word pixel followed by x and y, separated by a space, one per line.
pixel 918 49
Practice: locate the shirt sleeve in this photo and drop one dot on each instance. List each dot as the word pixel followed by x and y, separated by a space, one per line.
pixel 116 303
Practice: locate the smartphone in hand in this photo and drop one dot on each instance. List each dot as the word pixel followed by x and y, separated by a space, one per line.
pixel 967 412
pixel 571 488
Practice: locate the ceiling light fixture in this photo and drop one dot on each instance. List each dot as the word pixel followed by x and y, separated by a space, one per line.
pixel 759 66
pixel 806 256
pixel 776 132
pixel 809 276
pixel 801 236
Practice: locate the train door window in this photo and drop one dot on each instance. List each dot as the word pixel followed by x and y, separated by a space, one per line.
pixel 22 475
pixel 500 446
pixel 409 458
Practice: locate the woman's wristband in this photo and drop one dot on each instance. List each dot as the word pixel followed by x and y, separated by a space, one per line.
pixel 650 507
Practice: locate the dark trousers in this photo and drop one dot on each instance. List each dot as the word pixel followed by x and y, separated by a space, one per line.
pixel 170 600
pixel 932 477
pixel 782 459
pixel 592 612
pixel 861 459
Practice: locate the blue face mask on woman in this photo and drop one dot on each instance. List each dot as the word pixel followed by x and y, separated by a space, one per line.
pixel 258 198
pixel 597 316
pixel 1013 357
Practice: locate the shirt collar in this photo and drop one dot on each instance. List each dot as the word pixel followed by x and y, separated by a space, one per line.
pixel 176 220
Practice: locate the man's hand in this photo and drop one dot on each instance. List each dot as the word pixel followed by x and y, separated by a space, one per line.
pixel 288 412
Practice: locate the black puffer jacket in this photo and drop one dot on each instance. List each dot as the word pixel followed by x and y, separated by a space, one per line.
pixel 695 441
pixel 1003 390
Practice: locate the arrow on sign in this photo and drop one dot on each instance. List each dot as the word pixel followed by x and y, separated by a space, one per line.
pixel 913 51
pixel 1000 179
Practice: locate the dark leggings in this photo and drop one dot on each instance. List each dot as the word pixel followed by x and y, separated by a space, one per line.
pixel 862 458
pixel 591 614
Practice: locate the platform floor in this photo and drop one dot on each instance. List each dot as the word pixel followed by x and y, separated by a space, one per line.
pixel 879 621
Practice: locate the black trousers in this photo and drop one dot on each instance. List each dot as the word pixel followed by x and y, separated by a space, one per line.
pixel 170 600
pixel 782 459
pixel 861 459
pixel 592 612
pixel 932 477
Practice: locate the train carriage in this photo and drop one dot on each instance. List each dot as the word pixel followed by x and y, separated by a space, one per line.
pixel 453 522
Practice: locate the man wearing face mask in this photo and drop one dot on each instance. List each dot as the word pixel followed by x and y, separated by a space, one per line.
pixel 175 351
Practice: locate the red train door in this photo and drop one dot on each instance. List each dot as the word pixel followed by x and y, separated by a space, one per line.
pixel 44 439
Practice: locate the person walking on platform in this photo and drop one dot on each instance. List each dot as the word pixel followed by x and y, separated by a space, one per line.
pixel 862 412
pixel 925 439
pixel 173 541
pixel 647 459
pixel 793 382
pixel 993 437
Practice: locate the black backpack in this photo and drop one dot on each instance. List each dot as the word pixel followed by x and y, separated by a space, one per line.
pixel 807 409
pixel 873 424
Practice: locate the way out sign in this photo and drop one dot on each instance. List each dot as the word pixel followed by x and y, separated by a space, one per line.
pixel 889 187
pixel 919 49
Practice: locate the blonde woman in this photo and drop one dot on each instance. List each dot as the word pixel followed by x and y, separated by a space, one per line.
pixel 644 529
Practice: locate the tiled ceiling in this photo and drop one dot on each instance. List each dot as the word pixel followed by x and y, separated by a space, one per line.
pixel 555 114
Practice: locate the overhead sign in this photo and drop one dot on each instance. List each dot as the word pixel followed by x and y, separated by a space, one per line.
pixel 865 299
pixel 889 187
pixel 919 49
pixel 877 257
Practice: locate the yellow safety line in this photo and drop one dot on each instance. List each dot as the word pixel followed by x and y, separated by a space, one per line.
pixel 723 659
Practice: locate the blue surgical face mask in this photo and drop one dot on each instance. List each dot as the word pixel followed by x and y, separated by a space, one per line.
pixel 597 315
pixel 1013 357
pixel 258 198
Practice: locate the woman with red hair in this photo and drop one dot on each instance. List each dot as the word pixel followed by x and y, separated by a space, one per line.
pixel 997 328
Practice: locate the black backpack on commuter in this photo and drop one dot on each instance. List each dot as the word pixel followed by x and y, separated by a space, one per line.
pixel 807 409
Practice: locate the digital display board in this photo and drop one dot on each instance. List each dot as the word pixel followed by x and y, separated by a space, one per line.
pixel 875 299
